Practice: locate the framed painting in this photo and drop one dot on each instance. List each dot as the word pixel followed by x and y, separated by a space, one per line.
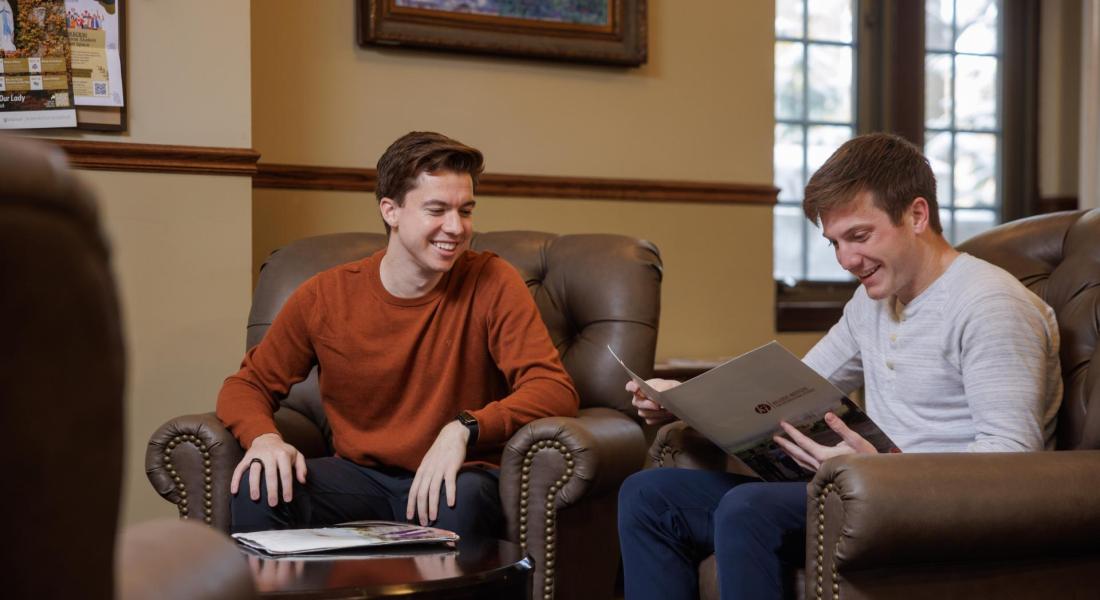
pixel 592 31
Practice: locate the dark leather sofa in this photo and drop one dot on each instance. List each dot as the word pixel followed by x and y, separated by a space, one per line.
pixel 559 476
pixel 61 386
pixel 966 525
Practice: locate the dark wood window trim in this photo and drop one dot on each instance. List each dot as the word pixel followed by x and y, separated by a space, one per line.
pixel 810 305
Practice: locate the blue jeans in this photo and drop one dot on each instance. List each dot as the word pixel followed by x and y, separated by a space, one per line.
pixel 672 519
pixel 338 490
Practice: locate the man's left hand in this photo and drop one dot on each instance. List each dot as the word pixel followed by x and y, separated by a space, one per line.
pixel 810 454
pixel 439 467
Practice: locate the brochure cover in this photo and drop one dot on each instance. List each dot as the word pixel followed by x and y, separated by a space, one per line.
pixel 738 405
pixel 355 534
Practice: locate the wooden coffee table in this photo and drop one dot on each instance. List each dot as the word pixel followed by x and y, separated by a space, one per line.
pixel 472 569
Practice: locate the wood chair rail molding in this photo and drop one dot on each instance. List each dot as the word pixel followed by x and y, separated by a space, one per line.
pixel 158 158
pixel 161 158
pixel 306 177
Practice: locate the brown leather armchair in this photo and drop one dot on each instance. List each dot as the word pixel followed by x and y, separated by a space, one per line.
pixel 559 476
pixel 966 525
pixel 62 417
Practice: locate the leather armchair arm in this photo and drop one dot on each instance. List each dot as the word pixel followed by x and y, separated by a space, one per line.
pixel 678 445
pixel 189 461
pixel 877 511
pixel 553 463
pixel 568 458
pixel 177 560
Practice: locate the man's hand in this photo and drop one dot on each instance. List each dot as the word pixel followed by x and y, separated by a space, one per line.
pixel 649 410
pixel 439 467
pixel 810 454
pixel 278 460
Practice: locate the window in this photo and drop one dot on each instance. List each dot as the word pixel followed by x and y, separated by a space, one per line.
pixel 962 135
pixel 966 89
pixel 815 112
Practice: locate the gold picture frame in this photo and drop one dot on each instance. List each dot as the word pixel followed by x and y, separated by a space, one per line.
pixel 600 32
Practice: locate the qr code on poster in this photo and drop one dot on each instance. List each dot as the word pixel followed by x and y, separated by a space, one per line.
pixel 99 88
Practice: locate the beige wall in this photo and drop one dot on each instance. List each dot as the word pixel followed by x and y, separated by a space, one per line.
pixel 700 109
pixel 1059 97
pixel 182 243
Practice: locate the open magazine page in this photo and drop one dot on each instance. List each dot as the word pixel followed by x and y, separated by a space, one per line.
pixel 356 534
pixel 738 405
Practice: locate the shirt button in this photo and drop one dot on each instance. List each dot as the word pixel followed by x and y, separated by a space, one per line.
pixel 890 365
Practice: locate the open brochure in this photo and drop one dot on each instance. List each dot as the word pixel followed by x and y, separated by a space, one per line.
pixel 738 405
pixel 356 534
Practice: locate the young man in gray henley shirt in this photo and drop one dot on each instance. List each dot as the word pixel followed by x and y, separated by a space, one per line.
pixel 953 353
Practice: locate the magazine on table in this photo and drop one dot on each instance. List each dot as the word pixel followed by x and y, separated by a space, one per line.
pixel 738 405
pixel 354 534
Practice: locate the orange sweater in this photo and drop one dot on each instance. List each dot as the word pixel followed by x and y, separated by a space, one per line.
pixel 393 371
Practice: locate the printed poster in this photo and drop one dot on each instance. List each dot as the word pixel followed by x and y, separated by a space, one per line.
pixel 93 28
pixel 35 90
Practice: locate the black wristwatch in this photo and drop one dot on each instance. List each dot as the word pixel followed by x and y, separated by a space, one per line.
pixel 470 422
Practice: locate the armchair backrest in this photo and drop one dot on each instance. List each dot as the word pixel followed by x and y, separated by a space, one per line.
pixel 592 290
pixel 61 383
pixel 1057 256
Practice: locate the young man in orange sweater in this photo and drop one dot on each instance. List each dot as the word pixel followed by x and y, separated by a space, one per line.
pixel 430 356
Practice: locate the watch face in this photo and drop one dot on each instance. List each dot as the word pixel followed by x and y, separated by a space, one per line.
pixel 467 419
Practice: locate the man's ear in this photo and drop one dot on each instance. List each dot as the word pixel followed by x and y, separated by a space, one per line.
pixel 918 211
pixel 389 209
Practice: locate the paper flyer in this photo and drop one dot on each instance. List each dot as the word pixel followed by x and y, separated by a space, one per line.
pixel 93 29
pixel 35 90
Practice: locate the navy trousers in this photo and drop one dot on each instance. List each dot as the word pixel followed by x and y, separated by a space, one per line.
pixel 671 519
pixel 338 490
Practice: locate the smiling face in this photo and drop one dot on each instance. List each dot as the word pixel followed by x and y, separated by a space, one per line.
pixel 886 258
pixel 429 230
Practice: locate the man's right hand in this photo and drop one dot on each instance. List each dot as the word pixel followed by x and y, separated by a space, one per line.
pixel 278 461
pixel 648 409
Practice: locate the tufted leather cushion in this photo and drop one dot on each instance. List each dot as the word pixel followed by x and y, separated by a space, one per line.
pixel 1057 256
pixel 592 290
pixel 61 383
pixel 62 395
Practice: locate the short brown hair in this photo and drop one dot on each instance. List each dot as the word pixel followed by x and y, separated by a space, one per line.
pixel 419 152
pixel 891 168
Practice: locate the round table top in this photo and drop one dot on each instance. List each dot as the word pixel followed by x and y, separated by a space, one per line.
pixel 379 572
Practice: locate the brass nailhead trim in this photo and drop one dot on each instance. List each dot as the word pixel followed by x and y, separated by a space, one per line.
pixel 828 489
pixel 550 514
pixel 666 451
pixel 182 504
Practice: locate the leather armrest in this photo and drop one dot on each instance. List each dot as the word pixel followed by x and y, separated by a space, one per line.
pixel 189 461
pixel 177 560
pixel 678 445
pixel 559 460
pixel 874 511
